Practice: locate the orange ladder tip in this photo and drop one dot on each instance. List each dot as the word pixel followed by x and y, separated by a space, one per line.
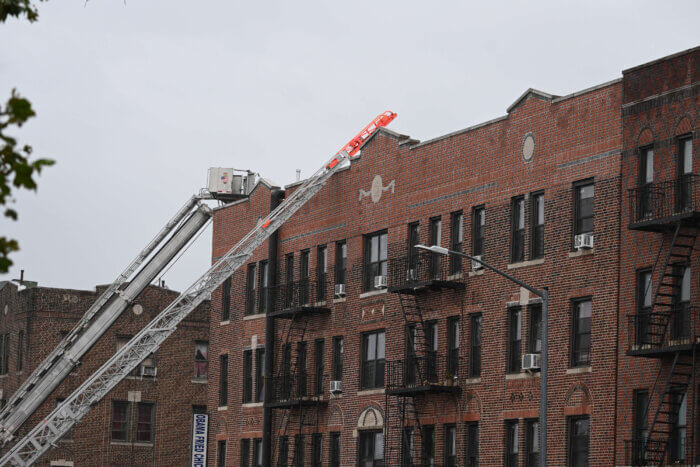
pixel 383 119
pixel 265 224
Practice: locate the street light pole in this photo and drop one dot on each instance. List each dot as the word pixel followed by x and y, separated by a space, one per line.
pixel 544 295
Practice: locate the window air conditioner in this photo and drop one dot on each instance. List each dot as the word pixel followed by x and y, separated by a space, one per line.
pixel 339 290
pixel 336 387
pixel 583 241
pixel 149 371
pixel 379 282
pixel 477 265
pixel 531 361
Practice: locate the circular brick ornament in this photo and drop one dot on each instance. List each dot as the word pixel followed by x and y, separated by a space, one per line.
pixel 528 147
pixel 137 309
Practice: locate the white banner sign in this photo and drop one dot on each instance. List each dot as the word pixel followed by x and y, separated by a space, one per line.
pixel 199 439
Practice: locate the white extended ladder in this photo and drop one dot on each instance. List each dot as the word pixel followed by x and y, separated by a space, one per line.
pixel 46 434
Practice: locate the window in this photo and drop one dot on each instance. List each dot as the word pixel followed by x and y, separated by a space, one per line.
pixel 517 243
pixel 221 453
pixel 226 300
pixel 321 272
pixel 431 338
pixel 145 423
pixel 257 452
pixel 579 438
pixel 640 424
pixel 201 359
pixel 478 224
pixel 435 239
pixel 646 181
pixel 20 350
pixel 450 448
pixel 304 272
pixel 148 362
pixel 223 380
pixel 260 374
pixel 299 449
pixel 514 339
pixel 375 258
pixel 2 355
pixel 264 294
pixel 583 208
pixel 581 333
pixel 407 447
pixel 289 277
pixel 535 334
pixel 537 226
pixel 681 315
pixel 679 433
pixel 533 443
pixel 319 361
pixel 301 368
pixel 5 354
pixel 371 449
pixel 245 452
pixel 283 459
pixel 453 345
pixel 512 443
pixel 247 376
pixel 412 253
pixel 685 173
pixel 251 289
pixel 317 450
pixel 475 346
pixel 456 239
pixel 373 360
pixel 644 305
pixel 335 449
pixel 338 358
pixel 341 262
pixel 471 444
pixel 120 421
pixel 428 443
pixel 69 434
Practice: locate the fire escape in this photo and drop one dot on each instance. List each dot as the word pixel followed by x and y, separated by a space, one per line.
pixel 297 395
pixel 416 279
pixel 668 328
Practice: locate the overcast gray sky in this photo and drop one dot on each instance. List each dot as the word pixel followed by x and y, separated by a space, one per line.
pixel 136 100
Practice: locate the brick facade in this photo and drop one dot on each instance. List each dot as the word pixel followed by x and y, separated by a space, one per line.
pixel 592 135
pixel 43 313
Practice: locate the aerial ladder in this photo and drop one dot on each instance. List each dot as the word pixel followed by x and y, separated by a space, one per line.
pixel 176 233
pixel 46 434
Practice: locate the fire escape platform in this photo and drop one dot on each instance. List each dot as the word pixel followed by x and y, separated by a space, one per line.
pixel 310 401
pixel 666 224
pixel 680 345
pixel 429 388
pixel 313 309
pixel 418 287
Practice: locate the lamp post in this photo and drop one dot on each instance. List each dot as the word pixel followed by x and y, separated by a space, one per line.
pixel 544 295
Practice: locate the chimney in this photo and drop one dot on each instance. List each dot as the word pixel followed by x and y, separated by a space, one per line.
pixel 298 174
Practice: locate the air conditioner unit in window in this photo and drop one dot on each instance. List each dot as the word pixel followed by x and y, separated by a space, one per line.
pixel 149 371
pixel 583 241
pixel 336 387
pixel 379 282
pixel 411 275
pixel 339 290
pixel 531 361
pixel 476 264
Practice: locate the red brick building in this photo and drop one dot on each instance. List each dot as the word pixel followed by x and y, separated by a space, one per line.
pixel 147 418
pixel 429 351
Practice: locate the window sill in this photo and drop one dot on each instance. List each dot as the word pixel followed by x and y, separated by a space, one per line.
pixel 127 443
pixel 252 404
pixel 253 316
pixel 522 375
pixel 373 293
pixel 454 277
pixel 340 300
pixel 141 378
pixel 370 392
pixel 576 254
pixel 224 323
pixel 222 408
pixel 200 381
pixel 523 264
pixel 476 379
pixel 579 370
pixel 478 272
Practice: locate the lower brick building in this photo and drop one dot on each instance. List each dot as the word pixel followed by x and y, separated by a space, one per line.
pixel 147 419
pixel 339 344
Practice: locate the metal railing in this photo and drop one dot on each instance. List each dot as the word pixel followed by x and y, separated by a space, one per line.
pixel 302 293
pixel 661 200
pixel 431 369
pixel 656 331
pixel 298 386
pixel 635 454
pixel 423 268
